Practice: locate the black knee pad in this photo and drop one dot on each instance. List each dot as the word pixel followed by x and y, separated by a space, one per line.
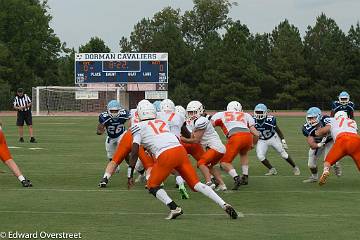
pixel 154 190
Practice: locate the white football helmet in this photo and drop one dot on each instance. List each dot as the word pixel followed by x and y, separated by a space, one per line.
pixel 146 110
pixel 194 110
pixel 167 105
pixel 180 110
pixel 341 114
pixel 234 106
pixel 344 98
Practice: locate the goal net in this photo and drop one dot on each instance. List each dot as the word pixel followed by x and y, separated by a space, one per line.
pixel 58 100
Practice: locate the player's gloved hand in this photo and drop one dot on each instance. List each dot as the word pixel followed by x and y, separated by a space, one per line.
pixel 130 183
pixel 284 144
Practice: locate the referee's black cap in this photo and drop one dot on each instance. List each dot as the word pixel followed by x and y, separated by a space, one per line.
pixel 20 90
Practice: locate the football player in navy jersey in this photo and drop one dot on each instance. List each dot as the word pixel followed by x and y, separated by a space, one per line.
pixel 113 121
pixel 318 145
pixel 270 135
pixel 343 104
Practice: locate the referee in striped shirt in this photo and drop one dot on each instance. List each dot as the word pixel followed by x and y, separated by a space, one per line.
pixel 22 103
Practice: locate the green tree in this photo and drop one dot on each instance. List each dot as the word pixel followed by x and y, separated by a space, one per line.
pixel 325 56
pixel 287 65
pixel 30 43
pixel 95 45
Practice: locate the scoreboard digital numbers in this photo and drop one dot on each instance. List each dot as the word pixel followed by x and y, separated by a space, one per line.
pixel 121 68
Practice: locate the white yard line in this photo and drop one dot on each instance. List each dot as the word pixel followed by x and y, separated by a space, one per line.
pixel 169 190
pixel 241 214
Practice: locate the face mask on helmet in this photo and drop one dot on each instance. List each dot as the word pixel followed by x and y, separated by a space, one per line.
pixel 313 116
pixel 157 105
pixel 344 98
pixel 260 111
pixel 114 108
pixel 194 110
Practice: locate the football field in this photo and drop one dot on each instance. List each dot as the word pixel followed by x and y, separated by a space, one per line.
pixel 68 161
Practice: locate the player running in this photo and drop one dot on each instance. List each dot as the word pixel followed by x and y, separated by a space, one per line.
pixel 7 159
pixel 270 135
pixel 155 135
pixel 113 121
pixel 239 129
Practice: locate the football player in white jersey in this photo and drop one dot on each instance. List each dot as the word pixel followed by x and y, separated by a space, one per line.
pixel 239 129
pixel 270 136
pixel 346 141
pixel 155 135
pixel 175 121
pixel 203 132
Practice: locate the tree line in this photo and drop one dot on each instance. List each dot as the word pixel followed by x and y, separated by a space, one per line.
pixel 212 58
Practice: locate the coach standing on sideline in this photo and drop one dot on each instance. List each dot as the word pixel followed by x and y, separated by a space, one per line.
pixel 22 103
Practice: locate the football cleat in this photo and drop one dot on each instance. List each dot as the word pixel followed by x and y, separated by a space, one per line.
pixel 237 183
pixel 32 140
pixel 221 187
pixel 214 181
pixel 174 213
pixel 271 172
pixel 337 169
pixel 184 194
pixel 296 171
pixel 210 184
pixel 21 139
pixel 230 211
pixel 311 179
pixel 103 183
pixel 323 178
pixel 245 179
pixel 26 183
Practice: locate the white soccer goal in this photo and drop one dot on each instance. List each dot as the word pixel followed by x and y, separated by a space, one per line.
pixel 58 100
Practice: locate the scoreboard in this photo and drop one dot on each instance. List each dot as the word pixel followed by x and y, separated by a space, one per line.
pixel 121 68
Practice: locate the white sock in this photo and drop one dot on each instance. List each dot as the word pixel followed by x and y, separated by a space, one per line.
pixel 207 191
pixel 245 169
pixel 107 175
pixel 163 197
pixel 233 173
pixel 147 174
pixel 326 169
pixel 179 180
pixel 21 178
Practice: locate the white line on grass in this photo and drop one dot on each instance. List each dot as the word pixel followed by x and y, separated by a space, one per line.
pixel 170 190
pixel 299 215
pixel 240 214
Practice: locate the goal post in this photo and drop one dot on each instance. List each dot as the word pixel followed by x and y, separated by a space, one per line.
pixel 61 100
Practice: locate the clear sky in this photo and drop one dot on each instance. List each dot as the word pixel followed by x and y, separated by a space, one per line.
pixel 76 21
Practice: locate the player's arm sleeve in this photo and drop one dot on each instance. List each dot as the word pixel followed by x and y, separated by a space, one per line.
pixel 185 131
pixel 279 132
pixel 250 120
pixel 201 124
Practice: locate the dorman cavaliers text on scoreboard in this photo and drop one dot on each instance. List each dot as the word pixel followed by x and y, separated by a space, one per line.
pixel 121 68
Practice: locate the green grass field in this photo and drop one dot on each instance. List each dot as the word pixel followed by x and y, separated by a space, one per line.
pixel 65 196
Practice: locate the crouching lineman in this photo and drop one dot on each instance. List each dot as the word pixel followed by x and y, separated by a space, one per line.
pixel 155 135
pixel 346 141
pixel 270 135
pixel 7 159
pixel 113 121
pixel 239 129
pixel 318 145
pixel 203 132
